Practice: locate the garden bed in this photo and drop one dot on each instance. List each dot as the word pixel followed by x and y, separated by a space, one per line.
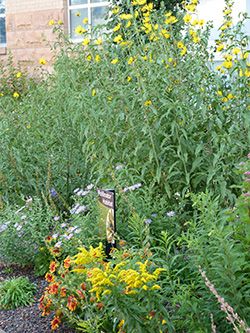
pixel 26 319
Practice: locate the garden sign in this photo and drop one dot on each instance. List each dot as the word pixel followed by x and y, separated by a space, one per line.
pixel 107 222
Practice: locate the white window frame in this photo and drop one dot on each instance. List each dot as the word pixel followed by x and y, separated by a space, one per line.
pixel 87 6
pixel 3 16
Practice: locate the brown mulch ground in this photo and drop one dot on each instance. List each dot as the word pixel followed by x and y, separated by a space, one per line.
pixel 27 319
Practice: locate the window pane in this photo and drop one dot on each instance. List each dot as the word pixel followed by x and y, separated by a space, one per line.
pixel 2 31
pixel 77 2
pixel 76 20
pixel 98 15
pixel 97 1
pixel 2 6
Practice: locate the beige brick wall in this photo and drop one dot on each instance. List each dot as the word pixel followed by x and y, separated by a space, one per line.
pixel 23 6
pixel 28 33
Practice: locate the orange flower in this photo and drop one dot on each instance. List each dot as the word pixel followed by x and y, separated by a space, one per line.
pixel 53 289
pixel 55 323
pixel 80 294
pixel 49 277
pixel 99 305
pixel 66 262
pixel 44 305
pixel 72 303
pixel 52 267
pixel 92 299
pixel 63 292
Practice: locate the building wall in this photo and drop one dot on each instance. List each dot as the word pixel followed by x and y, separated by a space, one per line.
pixel 27 31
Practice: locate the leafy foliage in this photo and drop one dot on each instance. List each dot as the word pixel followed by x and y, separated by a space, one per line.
pixel 16 292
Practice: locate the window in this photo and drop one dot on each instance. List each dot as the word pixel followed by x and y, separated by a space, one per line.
pixel 2 23
pixel 94 10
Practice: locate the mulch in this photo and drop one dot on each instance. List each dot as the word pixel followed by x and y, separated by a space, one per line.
pixel 27 319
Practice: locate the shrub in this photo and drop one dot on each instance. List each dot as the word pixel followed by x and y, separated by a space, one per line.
pixel 184 136
pixel 24 228
pixel 16 292
pixel 96 295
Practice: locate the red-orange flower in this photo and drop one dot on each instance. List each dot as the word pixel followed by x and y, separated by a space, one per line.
pixel 63 292
pixel 55 323
pixel 66 262
pixel 52 267
pixel 49 277
pixel 72 303
pixel 83 286
pixel 152 313
pixel 55 251
pixel 53 288
pixel 48 239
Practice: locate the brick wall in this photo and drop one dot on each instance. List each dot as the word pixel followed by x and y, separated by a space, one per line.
pixel 27 30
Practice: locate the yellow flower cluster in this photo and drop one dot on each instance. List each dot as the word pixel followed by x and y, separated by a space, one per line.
pixel 135 280
pixel 85 257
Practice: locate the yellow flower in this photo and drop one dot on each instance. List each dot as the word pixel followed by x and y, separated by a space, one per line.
pixel 60 22
pixel 236 50
pixel 156 287
pixel 139 2
pixel 165 33
pixel 97 58
pixel 118 39
pixel 114 61
pixel 148 103
pixel 98 41
pixel 131 60
pixel 42 61
pixel 85 20
pixel 187 18
pixel 129 78
pixel 117 27
pixel 218 68
pixel 121 323
pixel 170 59
pixel 219 93
pixel 230 96
pixel 78 14
pixel 89 57
pixel 86 41
pixel 227 11
pixel 79 30
pixel 201 22
pixel 115 10
pixel 180 45
pixel 191 7
pixel 128 24
pixel 195 22
pixel 228 57
pixel 51 22
pixel 220 47
pixel 126 16
pixel 171 20
pixel 196 39
pixel 18 74
pixel 16 95
pixel 227 64
pixel 163 322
